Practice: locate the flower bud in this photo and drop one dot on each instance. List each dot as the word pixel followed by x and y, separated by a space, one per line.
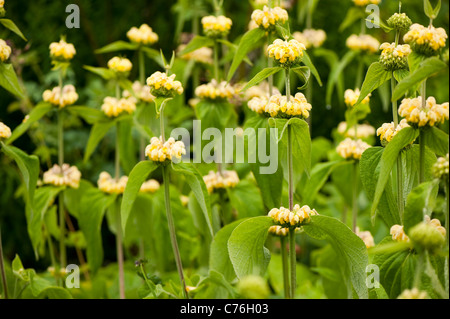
pixel 162 85
pixel 427 237
pixel 253 287
pixel 394 57
pixel 440 169
pixel 5 132
pixel 400 22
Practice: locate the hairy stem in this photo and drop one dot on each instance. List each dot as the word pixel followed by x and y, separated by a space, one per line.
pixel 173 236
pixel 119 248
pixel 216 61
pixel 284 260
pixel 142 143
pixel 270 65
pixel 355 197
pixel 2 269
pixel 293 262
pixel 161 124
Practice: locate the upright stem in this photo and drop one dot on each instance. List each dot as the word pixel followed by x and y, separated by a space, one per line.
pixel 270 65
pixel 355 197
pixel 62 221
pixel 173 237
pixel 142 143
pixel 419 270
pixel 446 211
pixel 119 240
pixel 284 260
pixel 2 269
pixel 423 93
pixel 161 124
pixel 216 61
pixel 394 103
pixel 293 262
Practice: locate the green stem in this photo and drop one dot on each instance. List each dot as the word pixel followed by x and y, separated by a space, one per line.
pixel 293 262
pixel 141 67
pixel 161 124
pixel 61 211
pixel 309 16
pixel 394 103
pixel 216 61
pixel 446 268
pixel 2 269
pixel 173 237
pixel 355 197
pixel 119 248
pixel 419 270
pixel 270 65
pixel 423 93
pixel 284 260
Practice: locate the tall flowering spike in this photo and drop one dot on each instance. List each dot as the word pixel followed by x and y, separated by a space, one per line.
pixel 363 42
pixel 203 55
pixel 5 51
pixel 162 85
pixel 364 3
pixel 440 169
pixel 352 149
pixel 62 51
pixel 170 150
pixel 426 40
pixel 226 179
pixel 216 27
pixel 387 131
pixel 142 35
pixel 394 57
pixel 298 106
pixel 63 176
pixel 150 186
pixel 363 131
pixel 286 53
pixel 120 65
pixel 5 132
pixel 417 116
pixel 142 92
pixel 113 107
pixel 215 91
pixel 398 234
pixel 399 21
pixel 110 185
pixel 351 97
pixel 69 96
pixel 310 38
pixel 267 18
pixel 292 220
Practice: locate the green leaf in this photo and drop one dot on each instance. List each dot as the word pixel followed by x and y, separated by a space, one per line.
pixel 348 245
pixel 35 115
pixel 247 43
pixel 89 114
pixel 153 55
pixel 127 148
pixel 214 114
pixel 98 132
pixel 28 166
pixel 246 199
pixel 196 43
pixel 436 140
pixel 10 25
pixel 307 61
pixel 8 80
pixel 303 73
pixel 106 74
pixel 388 159
pixel 198 187
pixel 118 46
pixel 354 14
pixel 370 170
pixel 375 77
pixel 261 76
pixel 137 177
pixel 431 12
pixel 357 113
pixel 426 69
pixel 414 60
pixel 246 247
pixel 420 202
pixel 337 71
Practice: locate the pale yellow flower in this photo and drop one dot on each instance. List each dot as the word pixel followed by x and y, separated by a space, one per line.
pixel 143 35
pixel 387 131
pixel 366 237
pixel 63 176
pixel 2 3
pixel 216 26
pixel 426 40
pixel 310 38
pixel 5 51
pixel 62 50
pixel 110 185
pixel 5 131
pixel 170 150
pixel 141 91
pixel 440 169
pixel 398 234
pixel 394 57
pixel 431 114
pixel 202 55
pixel 221 180
pixel 69 96
pixel 363 42
pixel 436 223
pixel 363 131
pixel 268 17
pixel 279 231
pixel 214 90
pixel 150 186
pixel 363 3
pixel 298 217
pixel 163 85
pixel 352 149
pixel 413 294
pixel 351 97
pixel 260 90
pixel 297 106
pixel 113 107
pixel 286 52
pixel 120 65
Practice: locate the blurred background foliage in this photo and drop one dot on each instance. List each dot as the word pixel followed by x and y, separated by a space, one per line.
pixel 102 22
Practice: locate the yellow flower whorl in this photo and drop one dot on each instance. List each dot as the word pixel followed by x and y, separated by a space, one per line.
pixel 351 97
pixel 310 38
pixel 387 131
pixel 214 90
pixel 69 96
pixel 171 150
pixel 162 85
pixel 398 233
pixel 363 131
pixel 297 218
pixel 268 17
pixel 150 186
pixel 352 149
pixel 412 111
pixel 394 57
pixel 63 176
pixel 143 35
pixel 5 131
pixel 216 27
pixel 142 92
pixel 363 42
pixel 363 3
pixel 426 40
pixel 110 185
pixel 440 168
pixel 62 51
pixel 113 107
pixel 298 106
pixel 5 51
pixel 286 53
pixel 120 65
pixel 226 179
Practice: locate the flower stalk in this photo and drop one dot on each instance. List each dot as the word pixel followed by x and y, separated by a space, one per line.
pixel 285 264
pixel 355 197
pixel 423 92
pixel 2 269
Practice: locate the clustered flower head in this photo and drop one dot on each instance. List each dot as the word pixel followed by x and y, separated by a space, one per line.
pixel 114 107
pixel 298 217
pixel 5 51
pixel 426 40
pixel 170 150
pixel 394 57
pixel 63 176
pixel 150 186
pixel 311 38
pixel 387 131
pixel 428 235
pixel 69 96
pixel 298 106
pixel 258 104
pixel 416 115
pixel 267 18
pixel 2 3
pixel 363 3
pixel 286 52
pixel 216 27
pixel 5 131
pixel 413 294
pixel 203 55
pixel 400 22
pixel 352 149
pixel 110 185
pixel 366 237
pixel 214 90
pixel 440 169
pixel 363 131
pixel 398 234
pixel 62 51
pixel 351 97
pixel 363 42
pixel 162 85
pixel 278 231
pixel 120 65
pixel 143 35
pixel 142 92
pixel 221 180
